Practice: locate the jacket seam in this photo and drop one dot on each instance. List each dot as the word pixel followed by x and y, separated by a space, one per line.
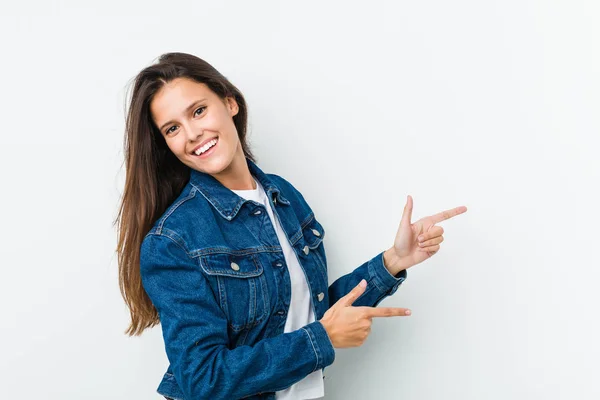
pixel 172 210
pixel 294 239
pixel 315 350
pixel 375 278
pixel 307 220
pixel 178 241
pixel 216 203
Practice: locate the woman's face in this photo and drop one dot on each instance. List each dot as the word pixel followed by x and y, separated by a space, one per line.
pixel 189 115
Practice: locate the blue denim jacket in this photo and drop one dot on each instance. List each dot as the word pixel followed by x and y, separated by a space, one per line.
pixel 213 268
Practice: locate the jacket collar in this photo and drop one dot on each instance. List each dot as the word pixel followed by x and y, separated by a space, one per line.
pixel 225 201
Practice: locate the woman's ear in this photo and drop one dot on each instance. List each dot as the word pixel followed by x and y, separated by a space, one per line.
pixel 233 106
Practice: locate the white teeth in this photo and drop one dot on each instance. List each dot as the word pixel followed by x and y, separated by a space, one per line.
pixel 205 147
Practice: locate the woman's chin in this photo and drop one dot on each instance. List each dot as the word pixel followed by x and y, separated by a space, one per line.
pixel 212 165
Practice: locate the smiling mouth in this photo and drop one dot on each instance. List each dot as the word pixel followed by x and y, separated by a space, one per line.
pixel 209 150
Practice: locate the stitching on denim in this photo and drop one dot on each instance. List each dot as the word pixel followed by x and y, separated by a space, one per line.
pixel 227 250
pixel 315 244
pixel 237 208
pixel 175 237
pixel 375 278
pixel 222 297
pixel 173 208
pixel 259 279
pixel 262 280
pixel 226 270
pixel 313 345
pixel 307 220
pixel 367 290
pixel 300 233
pixel 254 316
pixel 214 202
pixel 266 297
pixel 253 303
pixel 274 178
pixel 323 267
pixel 259 282
pixel 175 240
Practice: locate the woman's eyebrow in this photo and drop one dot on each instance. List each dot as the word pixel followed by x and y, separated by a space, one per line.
pixel 187 109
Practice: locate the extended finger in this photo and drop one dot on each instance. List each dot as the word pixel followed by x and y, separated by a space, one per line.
pixel 371 312
pixel 407 213
pixel 444 215
pixel 354 294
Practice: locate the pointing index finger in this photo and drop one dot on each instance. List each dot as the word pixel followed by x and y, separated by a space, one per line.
pixel 444 215
pixel 371 312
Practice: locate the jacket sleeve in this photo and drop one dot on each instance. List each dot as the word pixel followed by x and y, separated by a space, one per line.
pixel 195 333
pixel 380 282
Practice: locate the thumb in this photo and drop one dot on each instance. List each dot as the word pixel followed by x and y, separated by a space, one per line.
pixel 359 289
pixel 407 213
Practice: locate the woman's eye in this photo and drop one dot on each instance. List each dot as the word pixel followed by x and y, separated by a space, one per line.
pixel 201 108
pixel 169 130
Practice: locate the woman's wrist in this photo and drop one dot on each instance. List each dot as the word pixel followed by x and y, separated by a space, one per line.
pixel 393 263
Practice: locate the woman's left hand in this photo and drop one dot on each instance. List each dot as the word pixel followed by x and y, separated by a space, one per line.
pixel 416 242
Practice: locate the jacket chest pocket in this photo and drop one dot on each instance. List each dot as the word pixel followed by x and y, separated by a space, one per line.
pixel 313 234
pixel 241 286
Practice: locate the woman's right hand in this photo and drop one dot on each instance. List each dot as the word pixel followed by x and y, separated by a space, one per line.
pixel 349 326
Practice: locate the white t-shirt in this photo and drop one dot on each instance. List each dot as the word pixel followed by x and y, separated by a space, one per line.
pixel 301 312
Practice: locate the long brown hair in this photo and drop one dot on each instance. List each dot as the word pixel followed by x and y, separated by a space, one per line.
pixel 154 175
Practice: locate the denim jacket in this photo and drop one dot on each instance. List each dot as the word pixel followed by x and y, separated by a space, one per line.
pixel 214 269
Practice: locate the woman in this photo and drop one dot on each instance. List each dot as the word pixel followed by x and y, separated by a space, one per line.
pixel 230 259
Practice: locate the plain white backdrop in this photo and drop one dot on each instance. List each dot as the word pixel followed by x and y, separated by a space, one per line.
pixel 492 105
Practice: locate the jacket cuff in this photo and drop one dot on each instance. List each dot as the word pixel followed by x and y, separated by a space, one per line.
pixel 383 279
pixel 322 345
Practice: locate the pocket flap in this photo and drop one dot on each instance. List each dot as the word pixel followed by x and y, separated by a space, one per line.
pixel 313 233
pixel 236 266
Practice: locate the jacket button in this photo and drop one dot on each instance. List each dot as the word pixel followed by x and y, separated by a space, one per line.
pixel 280 312
pixel 316 232
pixel 305 249
pixel 235 267
pixel 257 212
pixel 321 296
pixel 277 264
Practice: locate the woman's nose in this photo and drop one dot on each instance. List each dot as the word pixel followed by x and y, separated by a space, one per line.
pixel 193 133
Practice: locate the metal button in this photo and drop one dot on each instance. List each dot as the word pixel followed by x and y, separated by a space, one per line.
pixel 235 267
pixel 274 200
pixel 321 296
pixel 257 212
pixel 280 312
pixel 278 264
pixel 305 249
pixel 316 232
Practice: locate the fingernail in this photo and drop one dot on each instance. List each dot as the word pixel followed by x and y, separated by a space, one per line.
pixel 363 283
pixel 407 312
pixel 421 238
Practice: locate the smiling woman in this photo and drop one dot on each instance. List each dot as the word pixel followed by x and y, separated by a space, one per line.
pixel 230 260
pixel 194 119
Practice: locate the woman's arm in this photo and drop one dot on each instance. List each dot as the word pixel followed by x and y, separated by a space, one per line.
pixel 380 283
pixel 195 333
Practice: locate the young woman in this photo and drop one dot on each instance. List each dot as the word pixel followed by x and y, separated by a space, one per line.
pixel 230 259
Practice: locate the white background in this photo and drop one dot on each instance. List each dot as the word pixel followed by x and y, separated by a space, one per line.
pixel 488 104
